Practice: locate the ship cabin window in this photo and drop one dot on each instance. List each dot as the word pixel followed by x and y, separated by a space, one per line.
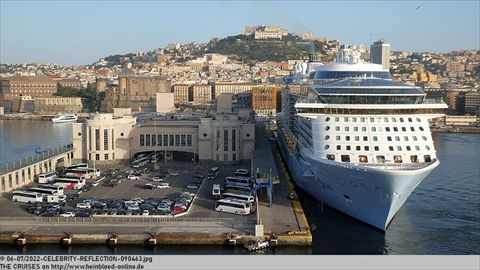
pixel 418 119
pixel 337 128
pixel 409 119
pixel 401 119
pixel 354 119
pixel 376 148
pixel 339 147
pixel 347 138
pixel 374 129
pixel 330 157
pixel 390 148
pixel 412 128
pixel 365 138
pixel 327 119
pixel 362 119
pixel 367 148
pixel 424 138
pixel 327 137
pixel 397 138
pixel 337 119
pixel 417 147
pixel 397 159
pixel 348 147
pixel 357 138
pixel 337 137
pixel 345 119
pixel 327 146
pixel 387 129
pixel 394 119
pixel 380 159
pixel 362 159
pixel 385 119
pixel 427 147
pixel 427 158
pixel 399 148
pixel 327 128
pixel 421 128
pixel 389 138
pixel 358 148
pixel 414 158
pixel 405 138
pixel 345 158
pixel 414 138
pixel 364 128
pixel 375 138
pixel 409 148
pixel 347 129
pixel 372 120
pixel 404 129
pixel 395 129
pixel 355 128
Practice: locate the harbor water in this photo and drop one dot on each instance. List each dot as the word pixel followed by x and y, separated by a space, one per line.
pixel 442 216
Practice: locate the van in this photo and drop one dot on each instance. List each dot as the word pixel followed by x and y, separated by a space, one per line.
pixel 216 192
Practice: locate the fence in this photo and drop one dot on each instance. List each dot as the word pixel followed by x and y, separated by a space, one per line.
pixel 13 166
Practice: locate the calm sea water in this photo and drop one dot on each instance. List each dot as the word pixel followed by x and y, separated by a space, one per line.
pixel 442 216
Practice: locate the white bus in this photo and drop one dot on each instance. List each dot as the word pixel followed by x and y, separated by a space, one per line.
pixel 241 197
pixel 46 178
pixel 232 187
pixel 233 206
pixel 86 172
pixel 76 177
pixel 26 197
pixel 69 183
pixel 139 162
pixel 239 180
pixel 53 187
pixel 213 172
pixel 44 191
pixel 74 166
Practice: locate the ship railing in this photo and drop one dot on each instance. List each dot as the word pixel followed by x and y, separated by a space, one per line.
pixel 39 157
pixel 398 166
pixel 433 101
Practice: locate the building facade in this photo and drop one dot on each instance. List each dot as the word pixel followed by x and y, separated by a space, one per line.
pixel 472 102
pixel 232 88
pixel 180 93
pixel 57 105
pixel 201 93
pixel 34 86
pixel 138 92
pixel 266 99
pixel 380 54
pixel 70 82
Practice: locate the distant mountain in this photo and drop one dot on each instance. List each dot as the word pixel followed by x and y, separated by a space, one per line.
pixel 248 49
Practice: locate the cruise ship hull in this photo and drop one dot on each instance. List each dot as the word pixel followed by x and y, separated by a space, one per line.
pixel 372 195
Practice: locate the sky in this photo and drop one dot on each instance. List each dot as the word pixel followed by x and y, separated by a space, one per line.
pixel 81 32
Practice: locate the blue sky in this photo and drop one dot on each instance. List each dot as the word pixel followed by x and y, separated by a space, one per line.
pixel 75 32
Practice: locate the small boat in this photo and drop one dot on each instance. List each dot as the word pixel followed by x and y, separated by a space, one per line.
pixel 255 245
pixel 64 118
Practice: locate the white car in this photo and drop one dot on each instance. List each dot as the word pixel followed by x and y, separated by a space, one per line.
pixel 157 179
pixel 163 185
pixel 137 200
pixel 68 214
pixel 145 213
pixel 94 184
pixel 133 207
pixel 83 205
pixel 132 177
pixel 174 174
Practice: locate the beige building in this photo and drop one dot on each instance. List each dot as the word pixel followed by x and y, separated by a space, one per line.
pixel 202 93
pixel 266 99
pixel 228 136
pixel 138 92
pixel 58 105
pixel 70 82
pixel 180 93
pixel 34 86
pixel 232 88
pixel 472 102
pixel 164 102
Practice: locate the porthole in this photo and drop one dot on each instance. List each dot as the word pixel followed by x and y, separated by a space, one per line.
pixel 427 147
pixel 79 134
pixel 327 128
pixel 121 134
pixel 421 128
pixel 327 137
pixel 424 138
pixel 248 134
pixel 338 137
pixel 327 119
pixel 418 119
pixel 327 146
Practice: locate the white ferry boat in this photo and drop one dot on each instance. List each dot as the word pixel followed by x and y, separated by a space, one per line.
pixel 64 118
pixel 355 139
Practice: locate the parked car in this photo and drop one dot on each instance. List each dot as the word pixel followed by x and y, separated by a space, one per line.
pixel 132 177
pixel 157 179
pixel 199 176
pixel 48 214
pixel 84 205
pixel 163 185
pixel 242 172
pixel 138 200
pixel 68 214
pixel 179 208
pixel 83 214
pixel 149 186
pixel 192 186
pixel 145 213
pixel 174 174
pixel 94 184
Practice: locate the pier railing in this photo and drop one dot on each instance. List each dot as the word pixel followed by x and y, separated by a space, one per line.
pixel 13 166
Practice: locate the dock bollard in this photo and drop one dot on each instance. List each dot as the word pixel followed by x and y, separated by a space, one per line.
pixel 152 241
pixel 21 239
pixel 112 240
pixel 67 241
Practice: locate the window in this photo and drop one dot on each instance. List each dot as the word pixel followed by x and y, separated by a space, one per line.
pixel 347 138
pixel 327 119
pixel 225 156
pixel 399 148
pixel 121 134
pixel 424 138
pixel 339 147
pixel 389 138
pixel 347 129
pixel 345 158
pixel 394 119
pixel 327 146
pixel 337 128
pixel 357 138
pixel 395 129
pixel 330 157
pixel 374 129
pixel 225 140
pixel 364 128
pixel 404 129
pixel 365 138
pixel 381 159
pixel 385 119
pixel 234 156
pixel 142 140
pixel 189 139
pixel 387 129
pixel 362 119
pixel 327 137
pixel 79 134
pixel 414 138
pixel 337 137
pixel 337 119
pixel 427 158
pixel 375 138
pixel 417 147
pixel 106 156
pixel 390 148
pixel 171 140
pixel 183 140
pixel 326 128
pixel 409 119
pixel 159 140
pixel 345 119
pixel 165 140
pixel 405 138
pixel 418 119
pixel 97 139
pixel 412 129
pixel 358 148
pixel 414 158
pixel 204 134
pixel 354 119
pixel 105 139
pixel 177 139
pixel 427 147
pixel 348 147
pixel 355 128
pixel 421 128
pixel 234 140
pixel 97 156
pixel 248 134
pixel 397 159
pixel 376 148
pixel 366 148
pixel 372 120
pixel 397 138
pixel 362 159
pixel 408 148
pixel 154 139
pixel 401 119
pixel 147 140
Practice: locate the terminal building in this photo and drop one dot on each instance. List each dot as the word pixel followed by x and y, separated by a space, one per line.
pixel 226 134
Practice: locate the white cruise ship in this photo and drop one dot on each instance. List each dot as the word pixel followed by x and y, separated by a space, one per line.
pixel 355 139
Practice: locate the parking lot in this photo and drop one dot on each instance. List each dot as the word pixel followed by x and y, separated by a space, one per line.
pixel 108 199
